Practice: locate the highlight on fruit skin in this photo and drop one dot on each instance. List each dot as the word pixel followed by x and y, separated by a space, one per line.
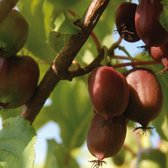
pixel 145 99
pixel 19 77
pixel 13 33
pixel 105 138
pixel 125 23
pixel 109 91
pixel 147 23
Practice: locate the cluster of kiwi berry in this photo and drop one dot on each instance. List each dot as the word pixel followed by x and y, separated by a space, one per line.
pixel 118 98
pixel 135 22
pixel 19 75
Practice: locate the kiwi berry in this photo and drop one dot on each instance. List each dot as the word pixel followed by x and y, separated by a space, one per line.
pixel 18 80
pixel 145 99
pixel 147 23
pixel 125 23
pixel 109 91
pixel 13 33
pixel 105 138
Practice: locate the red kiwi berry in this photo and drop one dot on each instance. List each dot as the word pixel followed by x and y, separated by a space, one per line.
pixel 145 99
pixel 18 80
pixel 147 23
pixel 109 91
pixel 105 138
pixel 160 54
pixel 125 23
pixel 13 33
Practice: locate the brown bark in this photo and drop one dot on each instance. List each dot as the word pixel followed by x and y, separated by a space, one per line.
pixel 59 69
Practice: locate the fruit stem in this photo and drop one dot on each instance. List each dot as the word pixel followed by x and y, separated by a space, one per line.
pixel 114 46
pixel 136 63
pixel 93 35
pixel 123 57
pixel 97 62
pixel 125 51
pixel 96 41
pixel 117 45
pixel 72 13
pixel 94 64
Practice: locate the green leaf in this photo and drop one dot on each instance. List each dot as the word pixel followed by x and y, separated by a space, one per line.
pixel 72 102
pixel 38 27
pixel 71 109
pixel 44 17
pixel 17 139
pixel 164 15
pixel 58 157
pixel 64 24
pixel 64 4
pixel 119 158
pixel 151 158
pixel 58 40
pixel 160 122
pixel 62 31
pixel 50 12
pixel 7 113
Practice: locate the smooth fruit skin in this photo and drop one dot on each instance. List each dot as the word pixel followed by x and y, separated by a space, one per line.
pixel 109 91
pixel 160 54
pixel 124 19
pixel 147 23
pixel 13 33
pixel 157 53
pixel 18 80
pixel 105 138
pixel 145 96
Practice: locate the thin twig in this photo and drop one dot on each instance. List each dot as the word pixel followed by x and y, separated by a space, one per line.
pixel 94 64
pixel 96 41
pixel 114 46
pixel 93 35
pixel 124 58
pixel 124 50
pixel 136 63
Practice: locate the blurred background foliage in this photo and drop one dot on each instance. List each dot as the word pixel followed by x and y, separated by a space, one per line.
pixel 50 26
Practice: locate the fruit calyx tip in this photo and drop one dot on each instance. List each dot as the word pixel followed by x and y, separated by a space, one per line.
pixel 4 105
pixel 97 163
pixel 142 129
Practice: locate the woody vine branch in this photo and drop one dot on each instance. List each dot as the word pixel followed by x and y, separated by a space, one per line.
pixel 59 69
